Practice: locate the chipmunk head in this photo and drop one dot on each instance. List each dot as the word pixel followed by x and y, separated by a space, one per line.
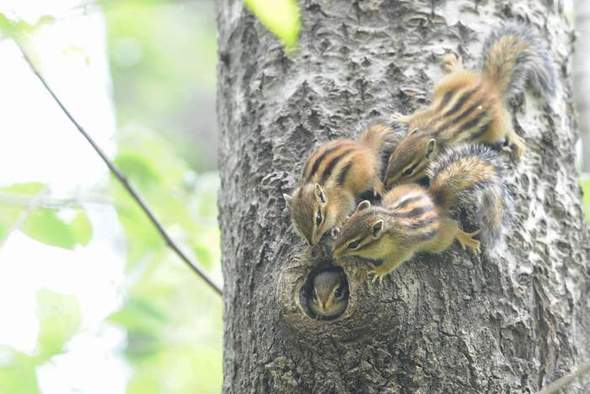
pixel 359 234
pixel 410 159
pixel 312 213
pixel 330 294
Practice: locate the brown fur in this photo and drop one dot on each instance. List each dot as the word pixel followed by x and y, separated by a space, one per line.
pixel 330 294
pixel 341 169
pixel 470 106
pixel 418 219
pixel 411 223
pixel 466 107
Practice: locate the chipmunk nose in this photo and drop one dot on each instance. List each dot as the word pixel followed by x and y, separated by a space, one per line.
pixel 316 237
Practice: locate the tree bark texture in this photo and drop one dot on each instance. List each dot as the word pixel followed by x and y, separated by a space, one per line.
pixel 509 321
pixel 582 77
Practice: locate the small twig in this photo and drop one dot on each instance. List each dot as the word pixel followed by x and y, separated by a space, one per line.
pixel 566 380
pixel 122 179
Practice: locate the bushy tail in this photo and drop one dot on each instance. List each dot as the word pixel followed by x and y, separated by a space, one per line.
pixel 515 54
pixel 468 179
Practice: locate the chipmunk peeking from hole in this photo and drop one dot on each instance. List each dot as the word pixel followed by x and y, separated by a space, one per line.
pixel 326 293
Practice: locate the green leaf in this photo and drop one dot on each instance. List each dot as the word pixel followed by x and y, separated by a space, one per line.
pixel 41 224
pixel 137 167
pixel 28 189
pixel 17 373
pixel 45 226
pixel 59 319
pixel 139 315
pixel 280 17
pixel 15 27
pixel 82 228
pixel 9 214
pixel 7 26
pixel 11 208
pixel 143 345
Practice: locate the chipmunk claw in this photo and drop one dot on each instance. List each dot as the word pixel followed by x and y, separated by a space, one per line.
pixel 467 241
pixel 376 274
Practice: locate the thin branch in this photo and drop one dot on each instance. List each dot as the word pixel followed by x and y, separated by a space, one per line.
pixel 566 380
pixel 122 179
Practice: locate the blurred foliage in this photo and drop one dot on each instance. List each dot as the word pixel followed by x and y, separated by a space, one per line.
pixel 59 320
pixel 17 372
pixel 19 206
pixel 17 28
pixel 281 17
pixel 167 183
pixel 163 60
pixel 173 321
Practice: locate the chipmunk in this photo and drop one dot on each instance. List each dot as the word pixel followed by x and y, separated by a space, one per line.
pixel 330 294
pixel 471 106
pixel 334 175
pixel 418 219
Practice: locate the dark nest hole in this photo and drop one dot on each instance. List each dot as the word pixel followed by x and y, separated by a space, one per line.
pixel 335 275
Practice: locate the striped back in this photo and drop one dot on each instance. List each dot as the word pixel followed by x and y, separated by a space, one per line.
pixel 413 213
pixel 331 163
pixel 465 111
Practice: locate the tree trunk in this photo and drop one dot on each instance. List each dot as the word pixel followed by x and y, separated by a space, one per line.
pixel 582 77
pixel 511 322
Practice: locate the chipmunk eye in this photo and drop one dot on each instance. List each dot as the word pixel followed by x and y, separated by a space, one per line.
pixel 318 218
pixel 408 171
pixel 354 244
pixel 338 293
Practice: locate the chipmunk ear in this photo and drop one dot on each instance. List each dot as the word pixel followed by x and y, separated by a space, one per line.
pixel 319 193
pixel 335 232
pixel 365 204
pixel 377 228
pixel 431 147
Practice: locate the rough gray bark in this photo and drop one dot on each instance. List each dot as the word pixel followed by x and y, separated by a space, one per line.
pixel 511 322
pixel 582 77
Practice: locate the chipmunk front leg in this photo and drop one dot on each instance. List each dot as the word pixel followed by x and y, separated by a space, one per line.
pixel 515 144
pixel 378 272
pixel 451 63
pixel 467 241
